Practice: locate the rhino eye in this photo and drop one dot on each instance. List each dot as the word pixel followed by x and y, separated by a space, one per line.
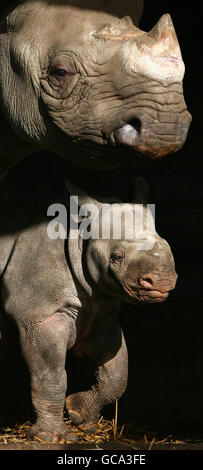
pixel 59 72
pixel 116 257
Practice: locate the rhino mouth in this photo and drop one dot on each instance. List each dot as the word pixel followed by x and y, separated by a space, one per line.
pixel 139 295
pixel 142 296
pixel 154 296
pixel 109 155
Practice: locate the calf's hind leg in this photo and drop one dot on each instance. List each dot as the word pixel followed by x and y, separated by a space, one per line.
pixel 111 380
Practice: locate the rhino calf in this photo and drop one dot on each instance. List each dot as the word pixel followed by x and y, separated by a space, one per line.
pixel 66 293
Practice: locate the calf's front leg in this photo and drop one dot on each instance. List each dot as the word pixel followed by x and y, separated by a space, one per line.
pixel 44 345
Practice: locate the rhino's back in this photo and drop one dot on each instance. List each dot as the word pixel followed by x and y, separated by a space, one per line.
pixel 35 276
pixel 12 221
pixel 36 279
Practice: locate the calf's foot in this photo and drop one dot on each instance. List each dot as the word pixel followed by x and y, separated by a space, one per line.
pixel 52 434
pixel 83 410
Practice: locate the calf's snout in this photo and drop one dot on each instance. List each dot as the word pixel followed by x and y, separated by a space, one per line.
pixel 156 281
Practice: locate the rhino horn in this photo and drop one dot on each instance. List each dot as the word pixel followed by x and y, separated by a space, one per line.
pixel 122 29
pixel 156 54
pixel 164 39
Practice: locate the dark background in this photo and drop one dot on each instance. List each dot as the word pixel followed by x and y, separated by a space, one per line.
pixel 165 340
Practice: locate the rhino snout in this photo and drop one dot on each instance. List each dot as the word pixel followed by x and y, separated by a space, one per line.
pixel 158 134
pixel 153 286
pixel 159 122
pixel 153 282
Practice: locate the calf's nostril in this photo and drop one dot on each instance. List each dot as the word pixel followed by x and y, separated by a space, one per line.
pixel 146 282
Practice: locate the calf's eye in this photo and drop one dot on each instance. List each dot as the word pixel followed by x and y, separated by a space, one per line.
pixel 116 257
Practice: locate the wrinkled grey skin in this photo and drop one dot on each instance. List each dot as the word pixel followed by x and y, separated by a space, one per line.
pixel 64 295
pixel 81 81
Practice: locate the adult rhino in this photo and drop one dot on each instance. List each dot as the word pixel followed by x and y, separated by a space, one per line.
pixel 80 82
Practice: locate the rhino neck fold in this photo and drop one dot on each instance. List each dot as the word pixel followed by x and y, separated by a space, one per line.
pixel 75 249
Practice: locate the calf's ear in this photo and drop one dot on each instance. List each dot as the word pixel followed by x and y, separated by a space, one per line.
pixel 140 190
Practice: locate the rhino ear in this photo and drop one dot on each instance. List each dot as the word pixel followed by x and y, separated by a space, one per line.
pixel 83 198
pixel 140 190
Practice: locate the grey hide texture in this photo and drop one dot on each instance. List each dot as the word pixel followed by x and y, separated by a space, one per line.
pixel 65 294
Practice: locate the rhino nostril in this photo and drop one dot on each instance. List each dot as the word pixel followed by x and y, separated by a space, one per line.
pixel 146 282
pixel 128 134
pixel 136 124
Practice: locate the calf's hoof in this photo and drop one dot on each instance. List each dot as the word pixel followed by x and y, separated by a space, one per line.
pixel 90 428
pixel 79 416
pixel 58 435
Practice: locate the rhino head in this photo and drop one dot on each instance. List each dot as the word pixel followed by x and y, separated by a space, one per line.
pixel 90 87
pixel 122 255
